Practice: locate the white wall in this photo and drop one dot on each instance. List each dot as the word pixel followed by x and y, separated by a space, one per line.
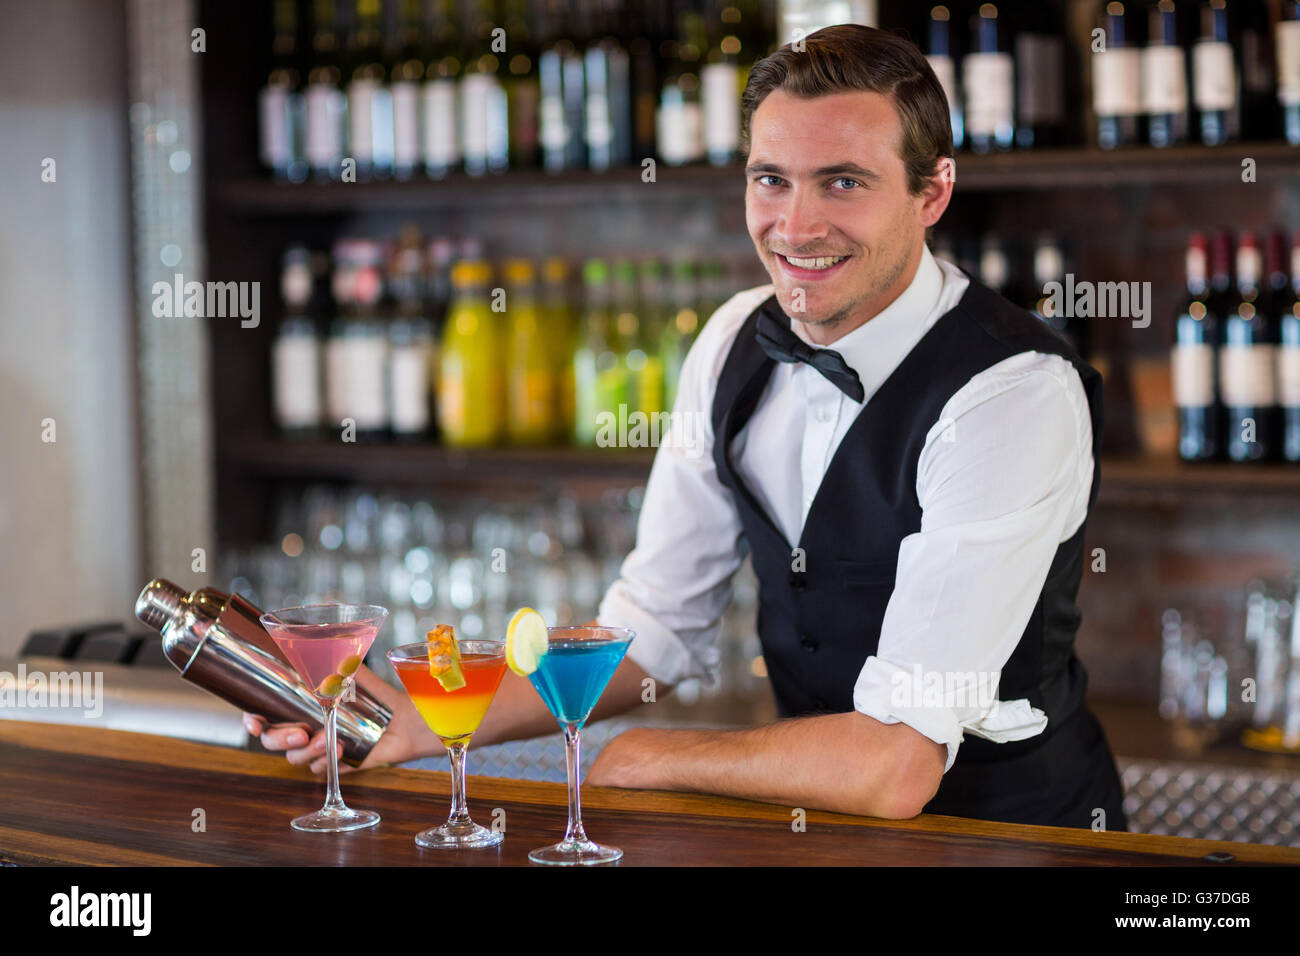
pixel 69 515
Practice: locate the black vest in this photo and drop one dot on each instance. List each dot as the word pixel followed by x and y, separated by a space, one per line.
pixel 818 626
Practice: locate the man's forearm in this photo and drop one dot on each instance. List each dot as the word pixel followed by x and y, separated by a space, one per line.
pixel 517 711
pixel 847 763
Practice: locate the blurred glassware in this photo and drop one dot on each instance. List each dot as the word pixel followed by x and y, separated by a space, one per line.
pixel 468 563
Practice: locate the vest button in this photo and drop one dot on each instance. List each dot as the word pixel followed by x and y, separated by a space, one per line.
pixel 808 644
pixel 819 703
pixel 797 582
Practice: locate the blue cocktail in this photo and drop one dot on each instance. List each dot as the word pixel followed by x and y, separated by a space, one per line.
pixel 570 677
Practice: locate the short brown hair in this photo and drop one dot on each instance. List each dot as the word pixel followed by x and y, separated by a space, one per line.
pixel 855 57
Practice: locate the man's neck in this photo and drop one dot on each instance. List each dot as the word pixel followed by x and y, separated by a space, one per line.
pixel 826 333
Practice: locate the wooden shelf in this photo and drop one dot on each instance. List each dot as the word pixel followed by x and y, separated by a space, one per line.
pixel 1165 482
pixel 1087 168
pixel 271 458
pixel 1071 168
pixel 1140 481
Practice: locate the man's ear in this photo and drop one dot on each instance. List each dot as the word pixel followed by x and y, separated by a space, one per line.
pixel 937 192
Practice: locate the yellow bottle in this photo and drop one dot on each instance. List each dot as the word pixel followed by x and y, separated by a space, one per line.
pixel 471 388
pixel 530 377
pixel 560 329
pixel 652 399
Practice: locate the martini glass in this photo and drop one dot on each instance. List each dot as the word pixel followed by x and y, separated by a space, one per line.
pixel 326 643
pixel 454 715
pixel 570 677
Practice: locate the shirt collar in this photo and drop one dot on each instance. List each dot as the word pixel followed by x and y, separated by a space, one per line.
pixel 875 348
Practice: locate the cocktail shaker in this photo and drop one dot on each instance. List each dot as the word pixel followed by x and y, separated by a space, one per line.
pixel 216 641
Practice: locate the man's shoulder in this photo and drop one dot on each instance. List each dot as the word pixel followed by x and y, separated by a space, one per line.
pixel 721 328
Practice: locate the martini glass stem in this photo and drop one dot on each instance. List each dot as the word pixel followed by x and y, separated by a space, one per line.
pixel 459 809
pixel 574 833
pixel 333 796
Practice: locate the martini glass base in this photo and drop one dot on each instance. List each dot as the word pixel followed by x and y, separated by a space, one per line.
pixel 465 837
pixel 335 821
pixel 576 853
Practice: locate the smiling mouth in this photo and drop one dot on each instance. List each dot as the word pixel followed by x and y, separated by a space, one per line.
pixel 814 263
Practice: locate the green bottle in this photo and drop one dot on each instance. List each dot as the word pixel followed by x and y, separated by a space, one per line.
pixel 627 325
pixel 680 328
pixel 599 377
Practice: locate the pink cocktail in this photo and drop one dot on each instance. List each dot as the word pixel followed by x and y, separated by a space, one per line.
pixel 326 643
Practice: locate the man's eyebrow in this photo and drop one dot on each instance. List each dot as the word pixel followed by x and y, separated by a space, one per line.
pixel 839 169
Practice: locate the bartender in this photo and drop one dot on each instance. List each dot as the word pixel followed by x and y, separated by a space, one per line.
pixel 910 460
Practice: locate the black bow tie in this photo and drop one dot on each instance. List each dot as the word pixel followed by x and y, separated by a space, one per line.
pixel 776 339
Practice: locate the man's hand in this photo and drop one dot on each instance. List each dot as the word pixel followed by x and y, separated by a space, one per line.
pixel 632 760
pixel 845 763
pixel 406 738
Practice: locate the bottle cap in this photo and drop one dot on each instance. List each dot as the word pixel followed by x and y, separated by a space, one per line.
pixel 468 272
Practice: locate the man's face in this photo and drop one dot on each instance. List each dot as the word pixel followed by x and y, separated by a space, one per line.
pixel 825 179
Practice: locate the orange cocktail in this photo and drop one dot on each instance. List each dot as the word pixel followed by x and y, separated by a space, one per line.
pixel 452 683
pixel 453 715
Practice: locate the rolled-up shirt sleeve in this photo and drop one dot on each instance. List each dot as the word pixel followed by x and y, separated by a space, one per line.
pixel 675 585
pixel 1003 479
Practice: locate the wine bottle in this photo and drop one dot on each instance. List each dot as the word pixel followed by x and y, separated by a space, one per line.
pixel 1193 365
pixel 405 79
pixel 326 104
pixel 370 108
pixel 280 103
pixel 440 256
pixel 1261 115
pixel 1164 74
pixel 1117 77
pixel 1215 84
pixel 440 129
pixel 720 87
pixel 1287 309
pixel 1049 266
pixel 1287 42
pixel 410 342
pixel 643 68
pixel 366 345
pixel 1040 76
pixel 563 101
pixel 994 269
pixel 296 353
pixel 523 92
pixel 343 273
pixel 988 77
pixel 1247 363
pixel 942 59
pixel 680 119
pixel 608 118
pixel 484 118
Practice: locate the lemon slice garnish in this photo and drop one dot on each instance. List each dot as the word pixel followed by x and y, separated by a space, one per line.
pixel 526 641
pixel 444 657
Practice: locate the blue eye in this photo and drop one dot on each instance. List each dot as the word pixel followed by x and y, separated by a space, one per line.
pixel 845 179
pixel 767 176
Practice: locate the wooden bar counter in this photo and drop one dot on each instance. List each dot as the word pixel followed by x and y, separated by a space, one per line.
pixel 76 795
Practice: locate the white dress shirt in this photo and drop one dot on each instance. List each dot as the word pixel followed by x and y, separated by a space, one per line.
pixel 1003 478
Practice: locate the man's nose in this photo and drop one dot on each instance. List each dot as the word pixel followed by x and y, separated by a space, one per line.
pixel 802 221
